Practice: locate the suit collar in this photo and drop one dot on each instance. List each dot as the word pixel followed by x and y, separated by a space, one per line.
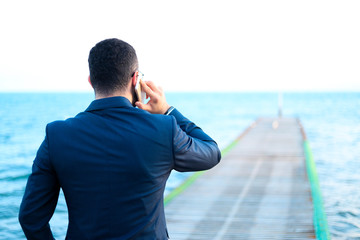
pixel 111 102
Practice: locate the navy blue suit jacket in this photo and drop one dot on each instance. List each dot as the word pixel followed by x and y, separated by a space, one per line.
pixel 112 162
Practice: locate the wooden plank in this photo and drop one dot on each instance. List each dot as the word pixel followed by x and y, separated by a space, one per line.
pixel 259 190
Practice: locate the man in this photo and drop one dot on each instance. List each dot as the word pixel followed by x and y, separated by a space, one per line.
pixel 112 161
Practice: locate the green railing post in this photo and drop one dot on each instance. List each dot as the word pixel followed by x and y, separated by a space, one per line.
pixel 320 221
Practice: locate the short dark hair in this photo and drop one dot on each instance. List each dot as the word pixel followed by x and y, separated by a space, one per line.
pixel 112 63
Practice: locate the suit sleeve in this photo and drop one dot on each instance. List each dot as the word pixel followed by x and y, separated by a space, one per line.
pixel 193 150
pixel 40 198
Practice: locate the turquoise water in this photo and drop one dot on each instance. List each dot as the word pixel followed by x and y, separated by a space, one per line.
pixel 331 121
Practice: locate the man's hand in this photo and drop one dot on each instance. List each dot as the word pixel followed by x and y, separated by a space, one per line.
pixel 157 103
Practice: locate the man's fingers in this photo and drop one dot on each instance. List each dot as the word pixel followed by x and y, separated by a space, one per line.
pixel 149 92
pixel 152 85
pixel 157 103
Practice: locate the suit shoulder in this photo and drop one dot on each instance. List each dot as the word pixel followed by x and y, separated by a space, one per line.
pixel 164 119
pixel 55 124
pixel 61 124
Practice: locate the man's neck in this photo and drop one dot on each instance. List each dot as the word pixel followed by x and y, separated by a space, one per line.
pixel 118 94
pixel 126 93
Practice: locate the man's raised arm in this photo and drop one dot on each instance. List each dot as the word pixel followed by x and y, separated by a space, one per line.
pixel 194 150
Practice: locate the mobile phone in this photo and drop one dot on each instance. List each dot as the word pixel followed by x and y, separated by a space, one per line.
pixel 140 94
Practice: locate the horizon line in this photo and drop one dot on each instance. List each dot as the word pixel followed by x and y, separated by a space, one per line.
pixel 190 91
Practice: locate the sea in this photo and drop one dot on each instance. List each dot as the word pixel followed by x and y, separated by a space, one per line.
pixel 331 121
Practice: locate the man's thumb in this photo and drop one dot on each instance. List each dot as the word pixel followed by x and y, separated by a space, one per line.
pixel 142 106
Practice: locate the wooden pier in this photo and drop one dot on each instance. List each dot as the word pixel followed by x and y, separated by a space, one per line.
pixel 260 190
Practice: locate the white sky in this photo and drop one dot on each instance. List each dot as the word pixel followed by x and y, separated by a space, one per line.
pixel 185 45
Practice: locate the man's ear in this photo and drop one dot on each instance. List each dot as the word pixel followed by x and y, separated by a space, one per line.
pixel 90 82
pixel 134 79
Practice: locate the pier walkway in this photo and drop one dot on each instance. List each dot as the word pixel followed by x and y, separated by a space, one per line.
pixel 260 190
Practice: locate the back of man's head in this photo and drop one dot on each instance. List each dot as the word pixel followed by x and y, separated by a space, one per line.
pixel 112 62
